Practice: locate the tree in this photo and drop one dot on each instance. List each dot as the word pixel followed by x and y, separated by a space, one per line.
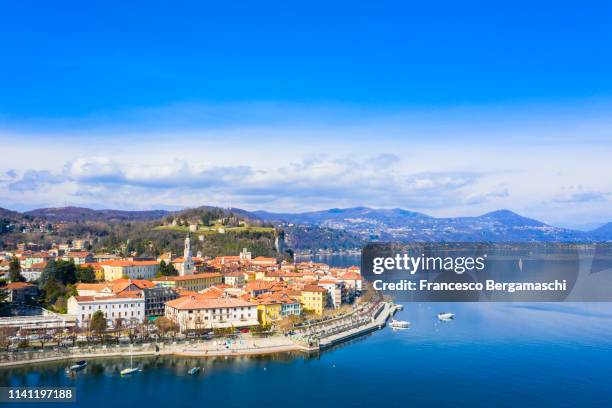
pixel 165 325
pixel 62 271
pixel 5 338
pixel 52 291
pixel 98 322
pixel 206 219
pixel 15 271
pixel 3 296
pixel 288 322
pixel 117 327
pixel 61 305
pixel 167 269
pixel 85 274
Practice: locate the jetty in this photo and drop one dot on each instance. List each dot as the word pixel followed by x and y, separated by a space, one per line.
pixel 348 327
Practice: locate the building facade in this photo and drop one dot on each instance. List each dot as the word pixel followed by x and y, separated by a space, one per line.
pixel 20 292
pixel 114 270
pixel 156 298
pixel 78 257
pixel 130 309
pixel 193 283
pixel 201 313
pixel 313 299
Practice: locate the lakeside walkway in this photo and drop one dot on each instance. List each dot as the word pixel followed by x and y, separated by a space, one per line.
pixel 325 336
pixel 379 320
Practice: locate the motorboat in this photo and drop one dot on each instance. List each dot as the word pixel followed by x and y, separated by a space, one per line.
pixel 79 365
pixel 399 324
pixel 194 371
pixel 446 316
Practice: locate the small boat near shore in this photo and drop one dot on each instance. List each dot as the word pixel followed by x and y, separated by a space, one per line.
pixel 446 316
pixel 132 369
pixel 78 366
pixel 194 371
pixel 128 371
pixel 399 324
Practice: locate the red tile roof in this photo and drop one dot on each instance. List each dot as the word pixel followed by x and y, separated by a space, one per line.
pixel 313 288
pixel 129 263
pixel 188 277
pixel 19 285
pixel 201 302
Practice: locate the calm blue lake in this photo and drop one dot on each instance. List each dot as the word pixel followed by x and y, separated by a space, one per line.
pixel 491 355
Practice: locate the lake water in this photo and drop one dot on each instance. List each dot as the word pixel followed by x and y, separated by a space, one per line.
pixel 338 261
pixel 492 355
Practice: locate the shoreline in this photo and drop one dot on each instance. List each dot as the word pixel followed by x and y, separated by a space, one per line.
pixel 203 349
pixel 137 354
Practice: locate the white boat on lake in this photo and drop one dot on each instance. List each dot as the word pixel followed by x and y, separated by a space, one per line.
pixel 446 316
pixel 399 324
pixel 132 369
pixel 78 366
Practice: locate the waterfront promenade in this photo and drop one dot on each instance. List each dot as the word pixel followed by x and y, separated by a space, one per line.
pixel 310 339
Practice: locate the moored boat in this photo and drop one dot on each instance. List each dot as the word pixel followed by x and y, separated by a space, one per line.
pixel 79 365
pixel 128 371
pixel 399 324
pixel 194 371
pixel 132 369
pixel 446 316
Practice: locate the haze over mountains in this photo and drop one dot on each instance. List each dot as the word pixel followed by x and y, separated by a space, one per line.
pixel 399 224
pixel 365 223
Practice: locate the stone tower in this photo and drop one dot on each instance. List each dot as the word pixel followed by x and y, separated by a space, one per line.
pixel 187 267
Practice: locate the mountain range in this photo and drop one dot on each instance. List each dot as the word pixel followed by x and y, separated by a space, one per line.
pixel 403 225
pixel 75 214
pixel 363 223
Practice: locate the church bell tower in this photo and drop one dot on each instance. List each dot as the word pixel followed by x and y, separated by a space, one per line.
pixel 188 266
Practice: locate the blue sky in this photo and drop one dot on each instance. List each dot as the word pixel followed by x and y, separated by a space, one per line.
pixel 444 107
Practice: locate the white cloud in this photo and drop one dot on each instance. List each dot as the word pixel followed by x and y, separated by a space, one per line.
pixel 440 163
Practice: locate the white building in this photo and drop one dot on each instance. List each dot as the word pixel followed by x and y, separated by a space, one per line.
pixel 114 270
pixel 334 291
pixel 198 312
pixel 129 308
pixel 234 278
pixel 33 272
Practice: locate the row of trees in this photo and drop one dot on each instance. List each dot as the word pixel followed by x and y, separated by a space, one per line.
pixel 98 325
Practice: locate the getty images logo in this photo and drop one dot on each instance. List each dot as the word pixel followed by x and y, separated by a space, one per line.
pixel 412 264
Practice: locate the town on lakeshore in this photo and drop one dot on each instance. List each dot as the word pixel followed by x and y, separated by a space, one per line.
pixel 68 301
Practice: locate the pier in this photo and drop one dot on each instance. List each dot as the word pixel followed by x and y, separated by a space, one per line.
pixel 350 327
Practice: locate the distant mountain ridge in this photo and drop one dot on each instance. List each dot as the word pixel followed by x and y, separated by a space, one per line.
pixel 74 214
pixel 390 216
pixel 403 225
pixel 603 233
pixel 362 223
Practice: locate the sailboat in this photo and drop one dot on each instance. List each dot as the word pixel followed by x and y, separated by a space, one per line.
pixel 128 371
